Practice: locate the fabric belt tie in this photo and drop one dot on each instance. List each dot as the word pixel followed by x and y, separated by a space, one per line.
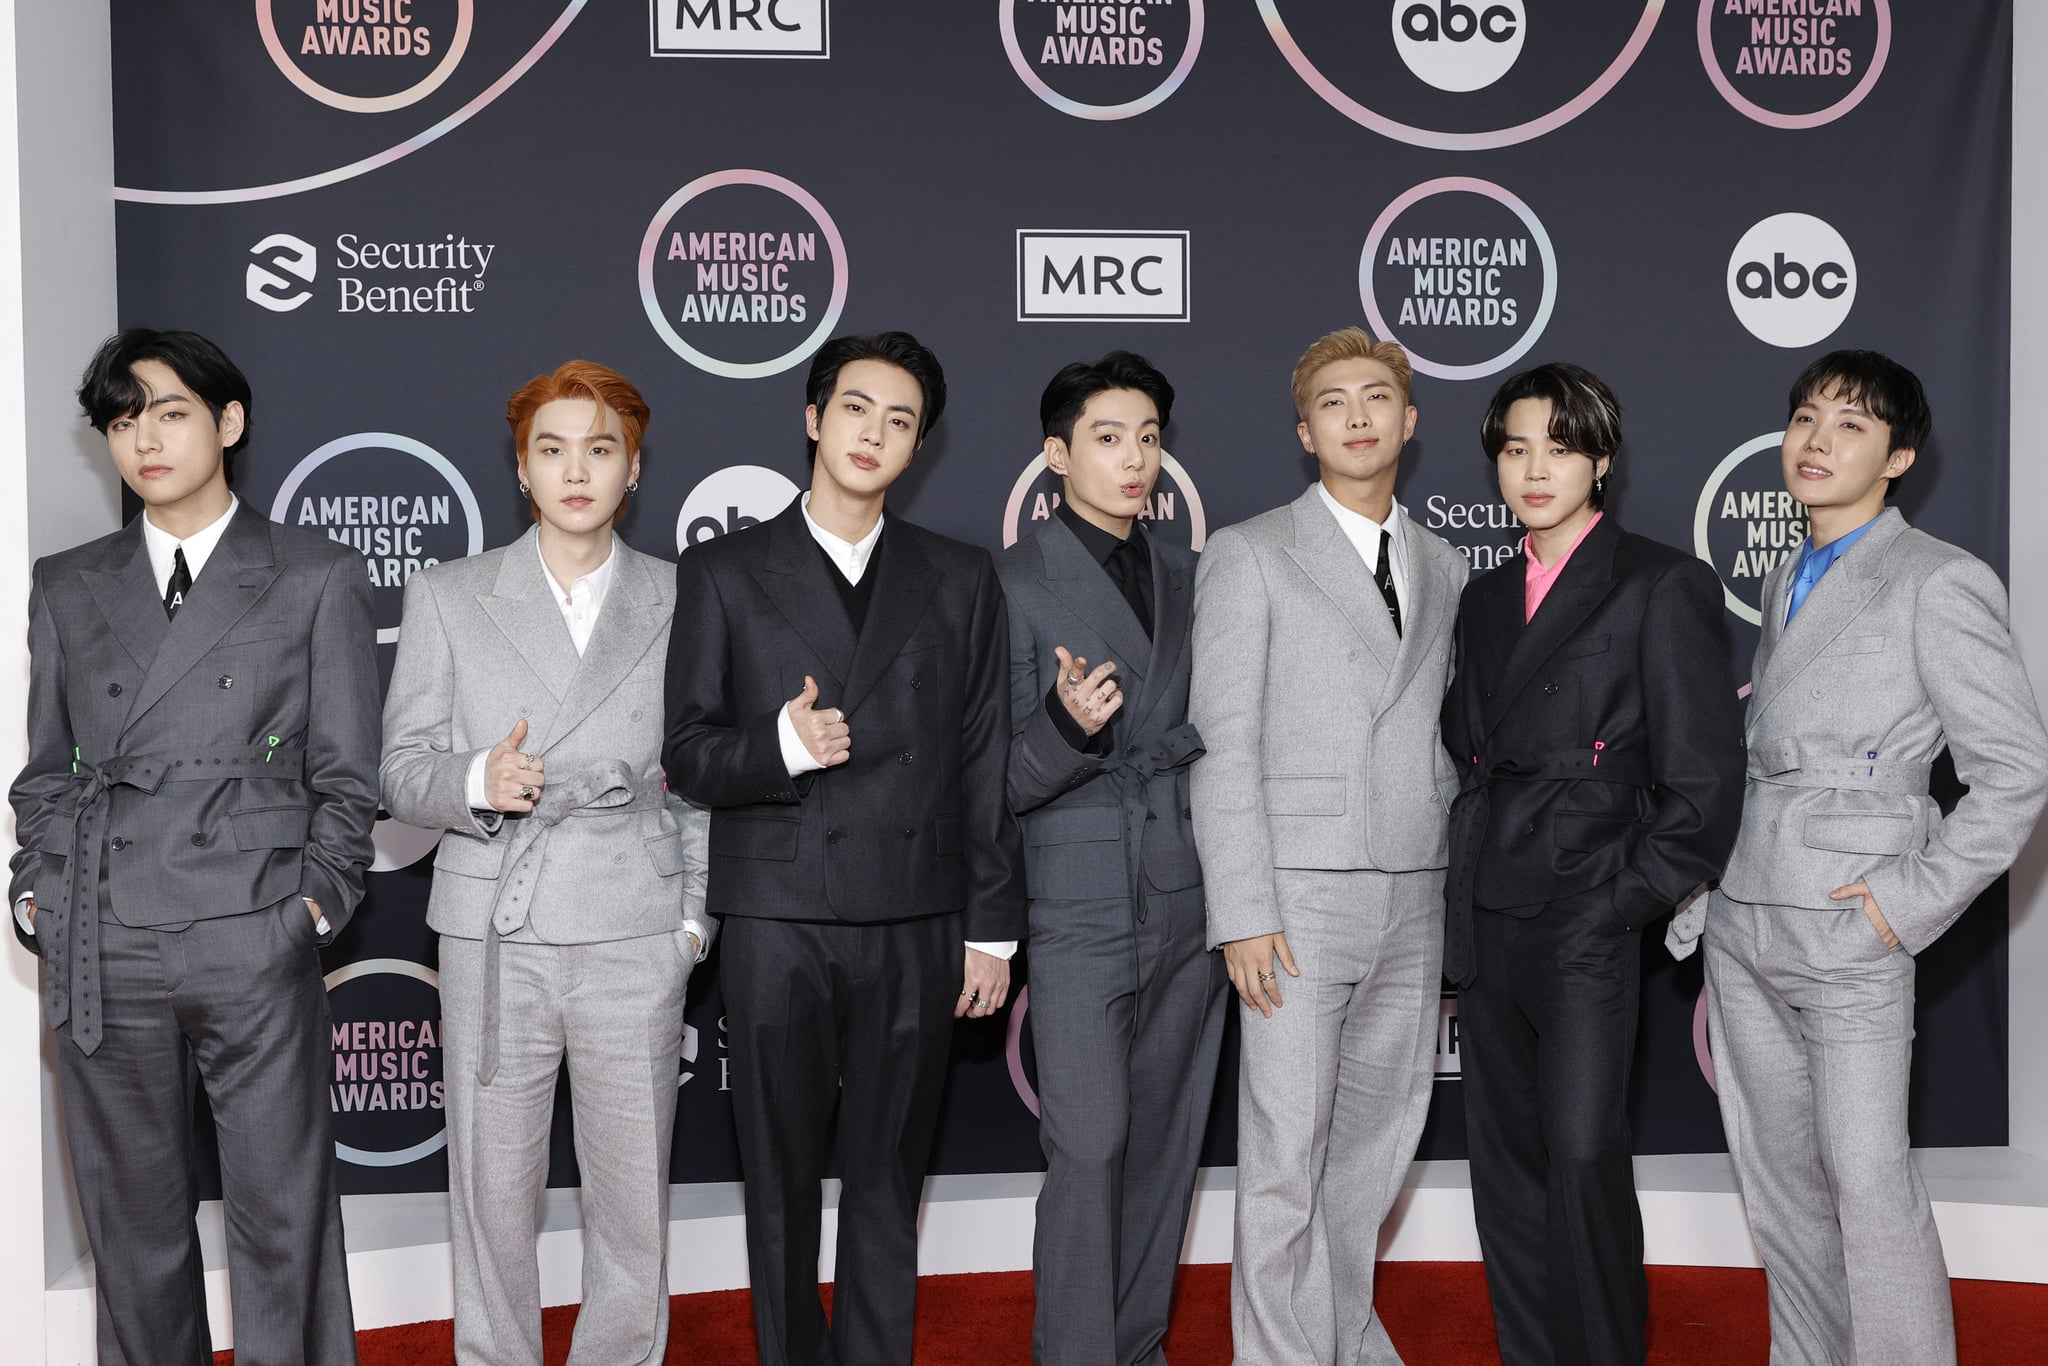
pixel 1175 749
pixel 71 976
pixel 1785 763
pixel 608 788
pixel 1473 811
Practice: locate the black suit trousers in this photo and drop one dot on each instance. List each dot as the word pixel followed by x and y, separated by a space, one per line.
pixel 857 1019
pixel 1547 1036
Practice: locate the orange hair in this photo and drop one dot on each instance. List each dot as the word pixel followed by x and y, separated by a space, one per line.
pixel 584 379
pixel 1348 343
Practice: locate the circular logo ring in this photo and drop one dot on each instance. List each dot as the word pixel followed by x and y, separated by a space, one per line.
pixel 1708 492
pixel 401 967
pixel 1197 520
pixel 419 450
pixel 1130 108
pixel 650 245
pixel 1459 142
pixel 1772 118
pixel 1458 184
pixel 465 19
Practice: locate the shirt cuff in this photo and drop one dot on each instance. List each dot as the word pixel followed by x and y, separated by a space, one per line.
pixel 1096 746
pixel 320 921
pixel 28 927
pixel 1004 949
pixel 795 758
pixel 478 800
pixel 696 927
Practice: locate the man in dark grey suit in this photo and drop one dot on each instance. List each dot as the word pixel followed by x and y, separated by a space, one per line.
pixel 1126 999
pixel 194 820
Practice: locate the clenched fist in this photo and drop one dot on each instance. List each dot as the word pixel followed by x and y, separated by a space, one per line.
pixel 513 780
pixel 822 729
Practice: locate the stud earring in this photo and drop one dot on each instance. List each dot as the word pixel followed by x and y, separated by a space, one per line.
pixel 633 488
pixel 524 492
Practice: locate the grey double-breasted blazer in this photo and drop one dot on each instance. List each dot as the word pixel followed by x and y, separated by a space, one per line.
pixel 1901 648
pixel 608 853
pixel 1321 723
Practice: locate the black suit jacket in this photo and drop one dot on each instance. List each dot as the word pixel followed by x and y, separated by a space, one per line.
pixel 1600 741
pixel 915 823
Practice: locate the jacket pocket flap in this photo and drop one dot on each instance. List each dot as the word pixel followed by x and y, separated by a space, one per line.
pixel 1589 645
pixel 1304 796
pixel 470 856
pixel 1074 825
pixel 1854 645
pixel 754 837
pixel 1589 832
pixel 665 852
pixel 1861 832
pixel 271 827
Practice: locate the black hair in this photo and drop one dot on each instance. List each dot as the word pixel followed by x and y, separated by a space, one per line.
pixel 899 349
pixel 109 389
pixel 1873 381
pixel 1073 386
pixel 1584 415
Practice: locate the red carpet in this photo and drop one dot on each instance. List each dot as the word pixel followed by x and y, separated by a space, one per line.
pixel 1436 1312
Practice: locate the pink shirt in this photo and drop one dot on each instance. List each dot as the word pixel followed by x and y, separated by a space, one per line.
pixel 1537 581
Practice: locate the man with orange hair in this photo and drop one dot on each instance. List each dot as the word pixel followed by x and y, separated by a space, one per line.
pixel 527 690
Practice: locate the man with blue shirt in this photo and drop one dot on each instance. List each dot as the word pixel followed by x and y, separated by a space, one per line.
pixel 1880 645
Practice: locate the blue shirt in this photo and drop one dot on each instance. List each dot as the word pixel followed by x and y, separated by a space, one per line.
pixel 1816 560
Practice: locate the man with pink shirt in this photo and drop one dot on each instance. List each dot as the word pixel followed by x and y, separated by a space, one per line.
pixel 1594 723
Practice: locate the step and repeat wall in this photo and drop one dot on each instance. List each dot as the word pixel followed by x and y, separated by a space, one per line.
pixel 394 212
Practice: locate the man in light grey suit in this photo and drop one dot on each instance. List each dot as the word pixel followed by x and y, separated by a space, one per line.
pixel 1322 650
pixel 1126 1005
pixel 525 718
pixel 194 819
pixel 1880 645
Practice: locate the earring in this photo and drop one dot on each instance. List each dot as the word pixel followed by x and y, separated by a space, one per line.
pixel 633 488
pixel 1599 486
pixel 524 492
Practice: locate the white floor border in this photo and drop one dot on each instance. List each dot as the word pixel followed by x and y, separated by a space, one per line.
pixel 1991 1205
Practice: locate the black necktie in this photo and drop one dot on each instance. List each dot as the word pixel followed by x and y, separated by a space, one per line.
pixel 1126 569
pixel 181 584
pixel 1385 575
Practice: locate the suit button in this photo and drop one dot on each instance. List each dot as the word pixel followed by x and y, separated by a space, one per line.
pixel 1187 813
pixel 1529 829
pixel 636 714
pixel 1130 749
pixel 916 681
pixel 906 758
pixel 224 681
pixel 1818 694
pixel 199 841
pixel 1774 827
pixel 618 858
pixel 113 689
pixel 1489 694
pixel 834 836
pixel 909 833
pixel 1550 688
pixel 1151 815
pixel 117 842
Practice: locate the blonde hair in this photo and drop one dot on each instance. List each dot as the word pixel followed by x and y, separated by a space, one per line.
pixel 1347 343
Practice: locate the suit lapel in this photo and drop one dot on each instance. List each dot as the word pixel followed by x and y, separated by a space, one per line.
pixel 238 572
pixel 1172 610
pixel 793 577
pixel 905 581
pixel 124 588
pixel 1073 577
pixel 524 608
pixel 1582 585
pixel 1835 601
pixel 632 616
pixel 1425 600
pixel 1333 564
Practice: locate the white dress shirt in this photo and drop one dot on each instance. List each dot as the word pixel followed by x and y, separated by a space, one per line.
pixel 851 559
pixel 1364 534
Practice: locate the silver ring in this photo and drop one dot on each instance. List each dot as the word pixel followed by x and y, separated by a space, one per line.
pixel 1268 977
pixel 526 794
pixel 841 715
pixel 1073 678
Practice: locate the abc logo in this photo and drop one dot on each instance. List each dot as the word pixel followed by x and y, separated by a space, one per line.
pixel 1792 280
pixel 281 267
pixel 1458 46
pixel 729 499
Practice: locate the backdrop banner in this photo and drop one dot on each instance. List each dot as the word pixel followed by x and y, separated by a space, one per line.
pixel 392 213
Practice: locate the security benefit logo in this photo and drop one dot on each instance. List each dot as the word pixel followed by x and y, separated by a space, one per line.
pixel 1484 533
pixel 1083 276
pixel 1102 59
pixel 366 56
pixel 1794 63
pixel 1174 510
pixel 1460 74
pixel 1792 280
pixel 399 501
pixel 740 28
pixel 1745 522
pixel 729 500
pixel 743 273
pixel 1460 272
pixel 371 273
pixel 386 1090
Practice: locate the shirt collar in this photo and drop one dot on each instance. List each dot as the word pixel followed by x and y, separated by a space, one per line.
pixel 1821 558
pixel 594 584
pixel 850 556
pixel 198 547
pixel 1099 544
pixel 1357 524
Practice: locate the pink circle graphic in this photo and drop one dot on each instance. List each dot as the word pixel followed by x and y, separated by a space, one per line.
pixel 1013 1049
pixel 1772 118
pixel 1460 142
pixel 465 20
pixel 1701 1049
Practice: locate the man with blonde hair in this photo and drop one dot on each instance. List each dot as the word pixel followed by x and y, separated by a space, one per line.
pixel 1322 648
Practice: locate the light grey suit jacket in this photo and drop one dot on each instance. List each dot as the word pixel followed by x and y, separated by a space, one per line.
pixel 1094 824
pixel 1321 723
pixel 1900 649
pixel 608 852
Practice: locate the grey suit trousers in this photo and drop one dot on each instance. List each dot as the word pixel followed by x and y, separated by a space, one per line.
pixel 1333 1091
pixel 614 1012
pixel 1126 1018
pixel 239 1002
pixel 1811 1020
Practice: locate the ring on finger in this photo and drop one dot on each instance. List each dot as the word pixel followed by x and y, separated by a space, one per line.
pixel 526 794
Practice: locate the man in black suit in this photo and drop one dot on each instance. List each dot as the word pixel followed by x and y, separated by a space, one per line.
pixel 194 818
pixel 1593 721
pixel 838 695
